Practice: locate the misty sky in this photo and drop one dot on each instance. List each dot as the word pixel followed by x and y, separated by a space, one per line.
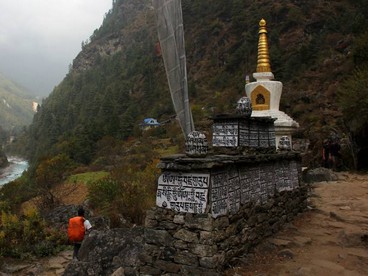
pixel 40 38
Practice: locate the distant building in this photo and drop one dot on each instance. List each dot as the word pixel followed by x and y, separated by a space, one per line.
pixel 149 123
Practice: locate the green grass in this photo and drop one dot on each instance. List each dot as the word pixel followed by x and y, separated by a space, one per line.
pixel 169 150
pixel 87 177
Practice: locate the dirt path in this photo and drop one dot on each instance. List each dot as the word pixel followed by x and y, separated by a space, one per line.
pixel 50 266
pixel 330 239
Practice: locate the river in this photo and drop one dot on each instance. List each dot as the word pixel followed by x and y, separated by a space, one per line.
pixel 15 169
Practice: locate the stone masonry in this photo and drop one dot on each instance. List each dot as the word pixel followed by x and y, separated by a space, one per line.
pixel 267 192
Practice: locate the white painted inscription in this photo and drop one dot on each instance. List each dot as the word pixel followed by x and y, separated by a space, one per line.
pixel 183 192
pixel 225 135
pixel 219 194
pixel 231 188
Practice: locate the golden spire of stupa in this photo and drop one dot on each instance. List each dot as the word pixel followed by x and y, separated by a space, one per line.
pixel 263 63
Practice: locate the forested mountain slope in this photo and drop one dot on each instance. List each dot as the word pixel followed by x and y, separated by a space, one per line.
pixel 118 78
pixel 15 105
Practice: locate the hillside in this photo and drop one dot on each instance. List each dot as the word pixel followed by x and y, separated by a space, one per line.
pixel 118 78
pixel 15 105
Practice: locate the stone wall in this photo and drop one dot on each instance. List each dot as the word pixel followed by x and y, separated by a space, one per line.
pixel 182 243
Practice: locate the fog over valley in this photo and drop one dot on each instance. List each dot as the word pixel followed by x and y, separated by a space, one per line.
pixel 39 39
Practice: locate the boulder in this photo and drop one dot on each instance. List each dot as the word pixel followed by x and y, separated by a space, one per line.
pixel 105 252
pixel 319 175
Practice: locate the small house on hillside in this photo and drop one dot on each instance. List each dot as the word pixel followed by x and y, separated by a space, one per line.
pixel 149 123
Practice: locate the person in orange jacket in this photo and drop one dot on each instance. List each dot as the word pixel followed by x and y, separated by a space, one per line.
pixel 78 227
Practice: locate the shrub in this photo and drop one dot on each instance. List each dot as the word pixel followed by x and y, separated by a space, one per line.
pixel 28 235
pixel 129 191
pixel 101 193
pixel 49 173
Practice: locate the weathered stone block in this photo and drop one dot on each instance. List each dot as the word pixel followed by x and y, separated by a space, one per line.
pixel 167 225
pixel 186 258
pixel 224 245
pixel 269 204
pixel 162 213
pixel 206 237
pixel 277 210
pixel 190 270
pixel 150 214
pixel 168 253
pixel 219 235
pixel 150 223
pixel 159 237
pixel 289 217
pixel 167 266
pixel 273 220
pixel 276 226
pixel 201 223
pixel 252 236
pixel 179 219
pixel 268 232
pixel 203 250
pixel 151 249
pixel 119 272
pixel 150 219
pixel 186 235
pixel 231 230
pixel 235 252
pixel 259 229
pixel 130 271
pixel 116 261
pixel 216 261
pixel 234 240
pixel 146 258
pixel 262 217
pixel 252 221
pixel 148 270
pixel 221 223
pixel 179 244
pixel 245 236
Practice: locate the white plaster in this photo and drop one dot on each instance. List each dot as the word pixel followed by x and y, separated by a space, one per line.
pixel 274 87
pixel 263 76
pixel 284 124
pixel 282 119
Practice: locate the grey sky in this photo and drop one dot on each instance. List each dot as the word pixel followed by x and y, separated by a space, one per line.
pixel 40 38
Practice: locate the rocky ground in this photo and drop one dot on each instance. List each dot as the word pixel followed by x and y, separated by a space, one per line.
pixel 329 239
pixel 50 266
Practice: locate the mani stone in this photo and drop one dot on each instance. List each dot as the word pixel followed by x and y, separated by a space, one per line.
pixel 196 144
pixel 244 106
pixel 284 143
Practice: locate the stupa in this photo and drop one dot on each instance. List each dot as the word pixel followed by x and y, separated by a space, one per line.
pixel 265 92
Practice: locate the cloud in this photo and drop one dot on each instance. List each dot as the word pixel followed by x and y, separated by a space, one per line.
pixel 44 36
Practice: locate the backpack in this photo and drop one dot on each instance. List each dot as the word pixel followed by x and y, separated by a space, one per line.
pixel 76 229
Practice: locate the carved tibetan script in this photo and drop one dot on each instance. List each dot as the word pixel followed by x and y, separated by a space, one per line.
pixel 225 134
pixel 183 192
